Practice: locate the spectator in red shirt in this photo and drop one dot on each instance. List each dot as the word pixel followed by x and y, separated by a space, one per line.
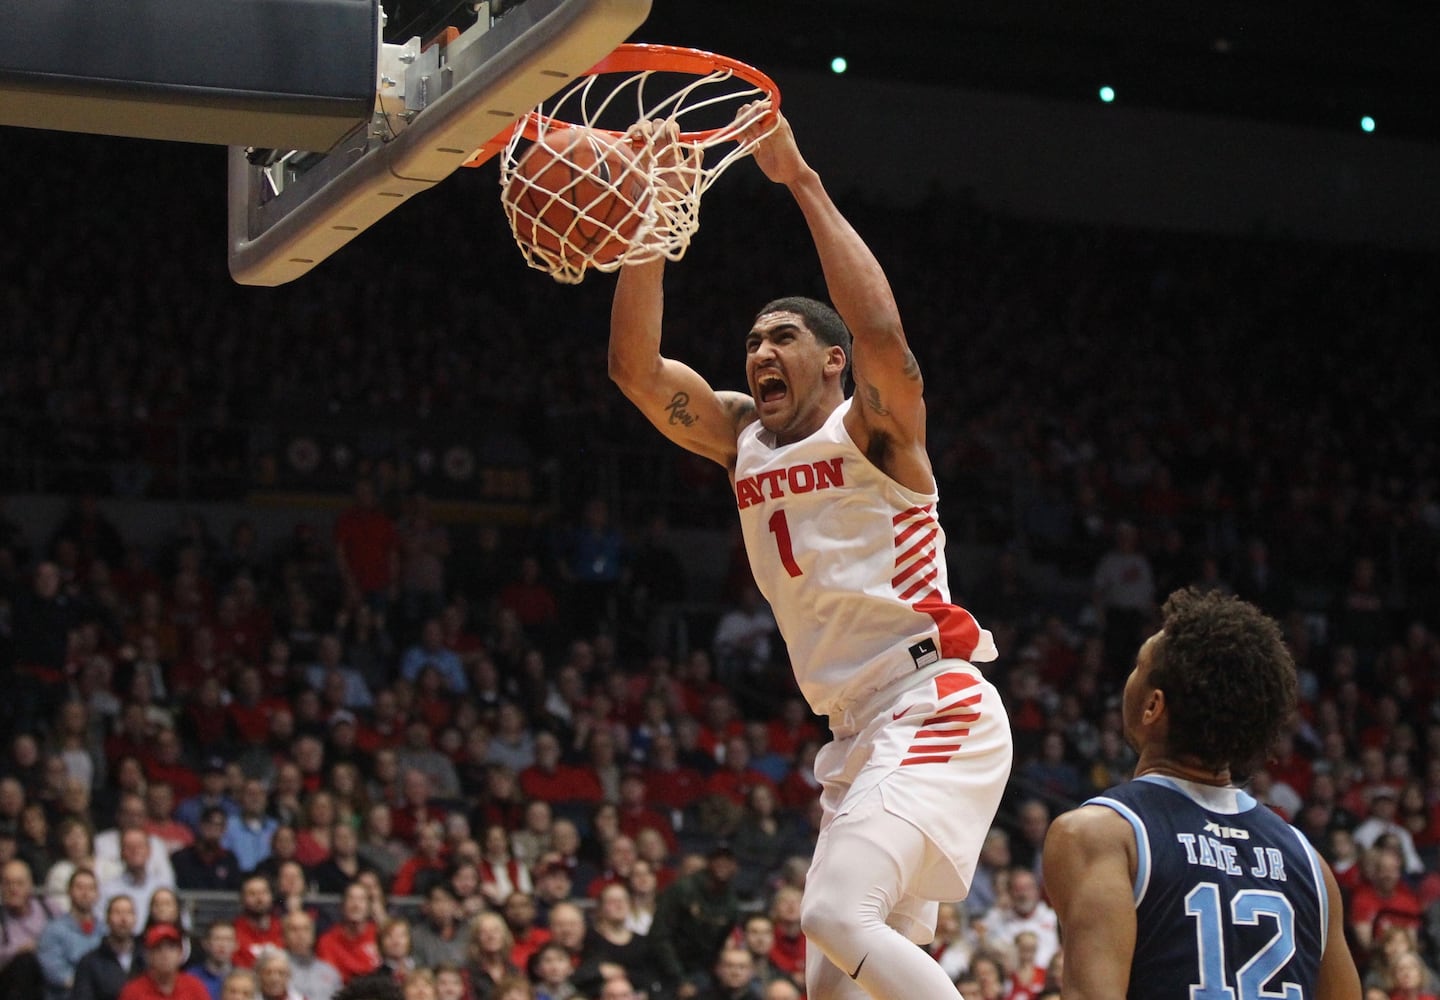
pixel 166 765
pixel 668 782
pixel 620 857
pixel 736 777
pixel 162 978
pixel 160 818
pixel 792 728
pixel 386 726
pixel 655 853
pixel 351 945
pixel 249 711
pixel 416 806
pixel 529 597
pixel 367 550
pixel 1291 767
pixel 636 814
pixel 722 722
pixel 519 912
pixel 800 787
pixel 788 953
pixel 1383 900
pixel 1027 979
pixel 426 866
pixel 695 683
pixel 550 779
pixel 257 926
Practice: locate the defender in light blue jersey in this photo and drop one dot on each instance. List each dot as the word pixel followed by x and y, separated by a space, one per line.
pixel 1178 885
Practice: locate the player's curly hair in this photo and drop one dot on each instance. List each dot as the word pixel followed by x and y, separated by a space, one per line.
pixel 1228 678
pixel 822 320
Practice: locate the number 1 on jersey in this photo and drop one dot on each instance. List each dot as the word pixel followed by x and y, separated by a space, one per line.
pixel 780 528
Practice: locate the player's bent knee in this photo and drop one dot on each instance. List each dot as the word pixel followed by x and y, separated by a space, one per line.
pixel 833 926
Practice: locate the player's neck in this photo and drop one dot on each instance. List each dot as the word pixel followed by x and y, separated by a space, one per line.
pixel 1164 766
pixel 810 420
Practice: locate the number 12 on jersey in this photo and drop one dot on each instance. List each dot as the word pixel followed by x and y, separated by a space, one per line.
pixel 1252 973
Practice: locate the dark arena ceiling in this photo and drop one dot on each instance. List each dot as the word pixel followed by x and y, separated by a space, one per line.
pixel 1322 63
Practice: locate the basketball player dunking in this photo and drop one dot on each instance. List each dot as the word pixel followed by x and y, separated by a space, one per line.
pixel 837 504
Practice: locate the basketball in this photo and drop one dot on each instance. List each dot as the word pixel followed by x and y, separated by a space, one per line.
pixel 577 194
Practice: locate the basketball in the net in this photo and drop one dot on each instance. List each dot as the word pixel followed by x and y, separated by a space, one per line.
pixel 578 195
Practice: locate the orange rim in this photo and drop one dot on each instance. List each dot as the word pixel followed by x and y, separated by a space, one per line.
pixel 637 57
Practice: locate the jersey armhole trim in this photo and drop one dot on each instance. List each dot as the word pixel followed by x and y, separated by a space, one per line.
pixel 1322 891
pixel 1142 843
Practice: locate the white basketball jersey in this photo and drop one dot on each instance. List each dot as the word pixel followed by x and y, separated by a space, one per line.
pixel 852 563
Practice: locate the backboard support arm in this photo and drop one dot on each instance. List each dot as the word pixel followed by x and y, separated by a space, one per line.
pixel 290 211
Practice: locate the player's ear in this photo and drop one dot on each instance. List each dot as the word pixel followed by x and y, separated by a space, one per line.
pixel 835 359
pixel 1154 707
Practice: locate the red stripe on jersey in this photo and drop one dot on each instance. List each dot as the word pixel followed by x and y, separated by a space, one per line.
pixel 941 733
pixel 904 536
pixel 905 515
pixel 952 709
pixel 909 571
pixel 927 760
pixel 917 548
pixel 968 719
pixel 969 701
pixel 920 585
pixel 954 682
pixel 959 631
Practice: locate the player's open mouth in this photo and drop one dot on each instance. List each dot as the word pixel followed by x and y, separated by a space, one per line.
pixel 771 388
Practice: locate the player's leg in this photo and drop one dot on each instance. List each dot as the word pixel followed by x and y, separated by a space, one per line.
pixel 871 856
pixel 914 917
pixel 823 978
pixel 825 981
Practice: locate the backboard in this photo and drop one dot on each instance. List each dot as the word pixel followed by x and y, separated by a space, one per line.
pixel 257 72
pixel 436 104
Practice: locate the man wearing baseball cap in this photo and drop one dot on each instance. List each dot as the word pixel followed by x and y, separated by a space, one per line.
pixel 162 978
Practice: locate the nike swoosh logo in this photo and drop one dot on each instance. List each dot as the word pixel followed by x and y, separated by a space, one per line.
pixel 893 717
pixel 859 967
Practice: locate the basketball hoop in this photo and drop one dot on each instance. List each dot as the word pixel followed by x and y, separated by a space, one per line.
pixel 712 100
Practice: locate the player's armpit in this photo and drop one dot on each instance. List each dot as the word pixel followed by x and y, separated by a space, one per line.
pixel 1089 876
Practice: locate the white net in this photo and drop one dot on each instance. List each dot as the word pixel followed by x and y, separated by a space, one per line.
pixel 628 156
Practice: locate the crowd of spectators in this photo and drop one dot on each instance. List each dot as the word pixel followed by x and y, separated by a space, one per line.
pixel 476 762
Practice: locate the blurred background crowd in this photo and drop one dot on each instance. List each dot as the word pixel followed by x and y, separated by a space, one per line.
pixel 547 745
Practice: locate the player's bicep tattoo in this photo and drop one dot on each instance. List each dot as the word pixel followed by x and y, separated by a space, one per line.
pixel 678 411
pixel 912 367
pixel 741 409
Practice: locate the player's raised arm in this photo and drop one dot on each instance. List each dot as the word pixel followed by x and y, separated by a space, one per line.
pixel 888 386
pixel 672 395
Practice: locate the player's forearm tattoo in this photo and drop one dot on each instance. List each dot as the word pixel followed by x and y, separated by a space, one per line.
pixel 678 412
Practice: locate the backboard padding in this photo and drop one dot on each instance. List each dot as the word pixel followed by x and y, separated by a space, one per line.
pixel 289 73
pixel 498 75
